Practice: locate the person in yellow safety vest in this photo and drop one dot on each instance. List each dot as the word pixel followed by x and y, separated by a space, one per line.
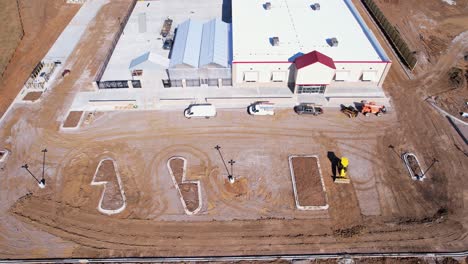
pixel 343 166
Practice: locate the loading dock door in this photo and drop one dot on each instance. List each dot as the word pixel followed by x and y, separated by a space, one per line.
pixel 369 76
pixel 342 76
pixel 251 76
pixel 278 76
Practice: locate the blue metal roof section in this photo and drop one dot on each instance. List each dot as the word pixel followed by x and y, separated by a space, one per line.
pixel 367 31
pixel 200 44
pixel 215 44
pixel 149 60
pixel 186 50
pixel 139 60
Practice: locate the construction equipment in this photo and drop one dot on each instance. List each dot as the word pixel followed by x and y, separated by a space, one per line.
pixel 372 108
pixel 350 111
pixel 342 171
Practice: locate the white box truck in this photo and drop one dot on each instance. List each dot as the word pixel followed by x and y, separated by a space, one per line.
pixel 200 110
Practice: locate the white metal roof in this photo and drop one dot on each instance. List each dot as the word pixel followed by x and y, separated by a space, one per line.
pixel 133 44
pixel 200 44
pixel 301 29
pixel 149 60
pixel 215 43
pixel 186 49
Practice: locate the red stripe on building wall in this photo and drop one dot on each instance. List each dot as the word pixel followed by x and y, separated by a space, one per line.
pixel 314 84
pixel 239 62
pixel 267 62
pixel 361 61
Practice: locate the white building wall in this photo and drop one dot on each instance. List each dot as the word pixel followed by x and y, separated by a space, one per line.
pixel 265 71
pixel 356 71
pixel 316 73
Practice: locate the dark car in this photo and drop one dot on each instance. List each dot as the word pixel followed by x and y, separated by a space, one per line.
pixel 308 109
pixel 167 44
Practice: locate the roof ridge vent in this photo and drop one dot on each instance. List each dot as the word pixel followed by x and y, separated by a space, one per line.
pixel 274 41
pixel 333 42
pixel 315 7
pixel 267 5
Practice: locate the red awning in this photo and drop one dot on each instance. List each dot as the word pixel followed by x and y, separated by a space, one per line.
pixel 313 57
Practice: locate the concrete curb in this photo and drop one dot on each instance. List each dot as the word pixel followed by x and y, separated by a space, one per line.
pixel 296 198
pixel 188 212
pixel 405 159
pixel 100 209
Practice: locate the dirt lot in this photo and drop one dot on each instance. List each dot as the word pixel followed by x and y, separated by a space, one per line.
pixel 308 181
pixel 32 96
pixel 430 30
pixel 11 32
pixel 43 21
pixel 73 119
pixel 382 210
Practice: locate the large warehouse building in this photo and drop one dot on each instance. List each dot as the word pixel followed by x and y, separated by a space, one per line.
pixel 284 51
pixel 314 47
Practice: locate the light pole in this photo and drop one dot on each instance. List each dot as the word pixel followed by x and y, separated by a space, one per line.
pixel 393 148
pixel 230 178
pixel 434 160
pixel 41 183
pixel 43 163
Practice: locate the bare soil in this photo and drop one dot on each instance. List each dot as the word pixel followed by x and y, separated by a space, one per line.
pixel 188 190
pixel 11 32
pixel 454 91
pixel 73 119
pixel 414 166
pixel 32 96
pixel 429 28
pixel 43 21
pixel 390 261
pixel 112 197
pixel 261 221
pixel 308 183
pixel 177 167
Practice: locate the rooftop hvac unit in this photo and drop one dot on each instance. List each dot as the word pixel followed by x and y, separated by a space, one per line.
pixel 275 41
pixel 334 42
pixel 267 6
pixel 315 6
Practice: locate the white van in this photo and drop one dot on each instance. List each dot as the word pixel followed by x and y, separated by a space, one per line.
pixel 261 108
pixel 200 110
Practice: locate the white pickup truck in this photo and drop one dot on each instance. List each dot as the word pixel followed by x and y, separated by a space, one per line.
pixel 261 108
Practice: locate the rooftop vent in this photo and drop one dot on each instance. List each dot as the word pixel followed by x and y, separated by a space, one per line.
pixel 267 6
pixel 275 41
pixel 315 6
pixel 333 42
